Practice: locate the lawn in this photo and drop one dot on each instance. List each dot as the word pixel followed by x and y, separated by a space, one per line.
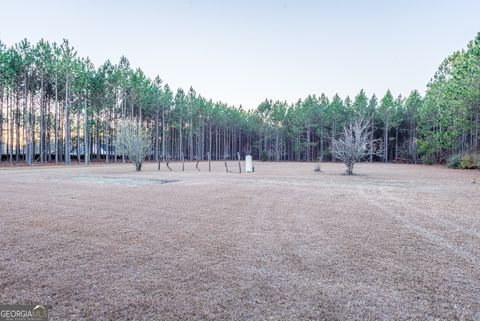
pixel 393 242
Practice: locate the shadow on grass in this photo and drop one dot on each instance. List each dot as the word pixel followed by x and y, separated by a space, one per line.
pixel 122 181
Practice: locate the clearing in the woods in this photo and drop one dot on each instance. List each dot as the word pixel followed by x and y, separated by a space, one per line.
pixel 397 242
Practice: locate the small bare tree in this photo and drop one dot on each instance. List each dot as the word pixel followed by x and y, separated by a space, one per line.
pixel 133 140
pixel 355 144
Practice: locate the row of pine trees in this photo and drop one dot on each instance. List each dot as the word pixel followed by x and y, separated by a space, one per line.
pixel 58 107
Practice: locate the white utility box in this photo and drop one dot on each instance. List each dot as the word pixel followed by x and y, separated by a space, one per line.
pixel 248 164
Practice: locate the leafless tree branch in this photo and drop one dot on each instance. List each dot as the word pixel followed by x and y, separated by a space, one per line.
pixel 355 145
pixel 134 142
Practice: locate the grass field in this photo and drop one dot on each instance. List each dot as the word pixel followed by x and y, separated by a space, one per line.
pixel 394 242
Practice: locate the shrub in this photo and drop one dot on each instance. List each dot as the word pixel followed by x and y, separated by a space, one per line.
pixel 355 145
pixel 327 155
pixel 469 161
pixel 428 159
pixel 454 160
pixel 133 140
pixel 263 156
pixel 464 161
pixel 477 160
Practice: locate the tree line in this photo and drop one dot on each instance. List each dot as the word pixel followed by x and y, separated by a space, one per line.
pixel 57 107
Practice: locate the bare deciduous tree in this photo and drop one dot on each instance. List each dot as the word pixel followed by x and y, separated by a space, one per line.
pixel 355 144
pixel 133 141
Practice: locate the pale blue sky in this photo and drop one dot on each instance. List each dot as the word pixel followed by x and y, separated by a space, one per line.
pixel 242 52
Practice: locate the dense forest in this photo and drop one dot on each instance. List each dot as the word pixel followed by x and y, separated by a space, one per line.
pixel 58 107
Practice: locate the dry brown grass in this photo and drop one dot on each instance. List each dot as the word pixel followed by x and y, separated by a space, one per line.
pixel 395 242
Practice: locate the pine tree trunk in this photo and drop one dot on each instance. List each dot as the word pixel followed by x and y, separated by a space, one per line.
pixel 385 152
pixel 17 128
pixel 78 132
pixel 67 122
pixel 372 125
pixel 180 138
pixel 26 127
pixel 157 138
pixel 190 139
pixel 56 120
pixel 1 124
pixel 42 123
pixel 396 143
pixel 107 136
pixel 11 129
pixel 86 135
pixel 209 143
pixel 163 134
